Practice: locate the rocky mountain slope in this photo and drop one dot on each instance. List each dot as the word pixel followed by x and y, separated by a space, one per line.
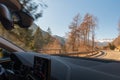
pixel 116 42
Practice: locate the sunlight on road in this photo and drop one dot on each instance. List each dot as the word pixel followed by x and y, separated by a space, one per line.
pixel 114 55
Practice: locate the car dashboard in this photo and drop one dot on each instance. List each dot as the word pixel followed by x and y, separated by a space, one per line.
pixel 36 66
pixel 13 68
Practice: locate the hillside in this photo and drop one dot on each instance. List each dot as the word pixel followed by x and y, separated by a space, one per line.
pixel 104 42
pixel 101 44
pixel 116 42
pixel 34 27
pixel 61 39
pixel 32 39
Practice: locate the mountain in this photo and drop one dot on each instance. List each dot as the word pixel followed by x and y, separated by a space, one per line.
pixel 103 42
pixel 34 27
pixel 116 42
pixel 61 39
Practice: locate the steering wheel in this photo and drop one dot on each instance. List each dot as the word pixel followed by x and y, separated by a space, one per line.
pixel 2 70
pixel 5 74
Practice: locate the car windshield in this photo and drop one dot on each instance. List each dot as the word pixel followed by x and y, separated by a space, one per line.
pixel 79 28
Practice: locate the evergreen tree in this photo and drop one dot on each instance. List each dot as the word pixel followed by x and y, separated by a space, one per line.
pixel 38 39
pixel 34 7
pixel 48 37
pixel 49 31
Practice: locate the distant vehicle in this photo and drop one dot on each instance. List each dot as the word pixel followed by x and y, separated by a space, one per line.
pixel 18 64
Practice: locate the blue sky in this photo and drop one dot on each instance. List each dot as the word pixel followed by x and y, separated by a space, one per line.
pixel 60 13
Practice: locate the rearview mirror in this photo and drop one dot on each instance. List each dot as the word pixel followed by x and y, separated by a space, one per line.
pixel 25 19
pixel 5 17
pixel 12 4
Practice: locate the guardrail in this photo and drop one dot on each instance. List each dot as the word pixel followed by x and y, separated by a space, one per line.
pixel 81 54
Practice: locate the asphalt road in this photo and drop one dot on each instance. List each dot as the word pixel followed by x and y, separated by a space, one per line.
pixel 109 54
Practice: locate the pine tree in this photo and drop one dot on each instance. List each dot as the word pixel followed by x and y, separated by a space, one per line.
pixel 34 7
pixel 49 30
pixel 38 39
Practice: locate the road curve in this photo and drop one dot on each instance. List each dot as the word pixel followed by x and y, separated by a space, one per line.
pixel 109 54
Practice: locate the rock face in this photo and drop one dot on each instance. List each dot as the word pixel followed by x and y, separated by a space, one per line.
pixel 116 42
pixel 61 39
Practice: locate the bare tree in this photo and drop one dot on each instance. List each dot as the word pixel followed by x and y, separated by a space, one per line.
pixel 72 38
pixel 82 33
pixel 90 24
pixel 93 26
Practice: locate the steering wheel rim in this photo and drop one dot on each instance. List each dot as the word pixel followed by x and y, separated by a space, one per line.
pixel 2 70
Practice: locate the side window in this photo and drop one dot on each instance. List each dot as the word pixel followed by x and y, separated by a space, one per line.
pixel 4 53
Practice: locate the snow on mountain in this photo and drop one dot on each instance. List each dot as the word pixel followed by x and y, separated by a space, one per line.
pixel 104 42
